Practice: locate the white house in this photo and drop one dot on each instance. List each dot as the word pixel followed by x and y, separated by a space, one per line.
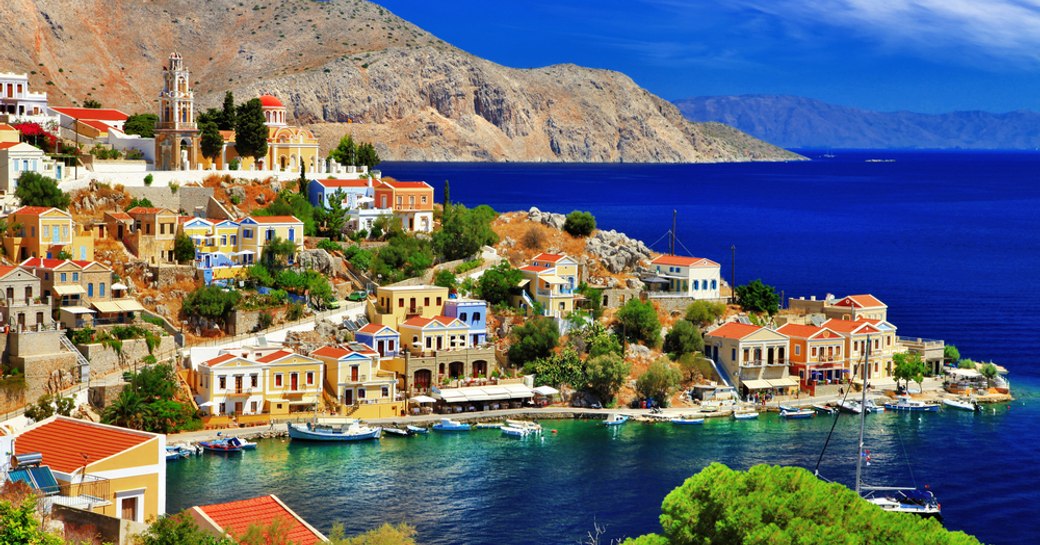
pixel 17 101
pixel 695 277
pixel 18 157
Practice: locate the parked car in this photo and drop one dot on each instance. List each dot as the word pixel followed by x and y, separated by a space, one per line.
pixel 360 295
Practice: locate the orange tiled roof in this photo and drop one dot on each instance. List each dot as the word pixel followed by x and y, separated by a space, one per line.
pixel 860 301
pixel 683 261
pixel 274 356
pixel 123 216
pixel 8 145
pixel 848 326
pixel 42 263
pixel 99 125
pixel 551 258
pixel 4 269
pixel 144 210
pixel 407 185
pixel 274 219
pixel 806 331
pixel 375 328
pixel 6 127
pixel 30 211
pixel 535 268
pixel 218 360
pixel 102 114
pixel 237 516
pixel 342 183
pixel 68 444
pixel 331 352
pixel 734 330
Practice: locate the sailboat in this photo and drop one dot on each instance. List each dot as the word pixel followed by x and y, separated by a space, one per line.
pixel 898 499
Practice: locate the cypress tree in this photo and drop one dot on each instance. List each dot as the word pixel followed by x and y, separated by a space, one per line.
pixel 251 130
pixel 226 121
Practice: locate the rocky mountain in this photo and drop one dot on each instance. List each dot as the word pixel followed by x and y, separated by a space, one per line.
pixel 798 122
pixel 336 61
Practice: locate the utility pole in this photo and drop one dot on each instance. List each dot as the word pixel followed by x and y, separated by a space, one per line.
pixel 671 244
pixel 733 274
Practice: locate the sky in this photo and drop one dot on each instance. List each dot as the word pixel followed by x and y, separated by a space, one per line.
pixel 925 56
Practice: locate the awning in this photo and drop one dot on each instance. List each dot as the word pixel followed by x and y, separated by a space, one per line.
pixel 485 393
pixel 452 396
pixel 423 399
pixel 546 391
pixel 756 384
pixel 128 305
pixel 496 392
pixel 786 382
pixel 106 307
pixel 119 286
pixel 518 390
pixel 553 279
pixel 77 310
pixel 69 289
pixel 965 373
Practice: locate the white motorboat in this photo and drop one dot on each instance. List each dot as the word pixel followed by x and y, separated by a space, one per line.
pixel 511 431
pixel 615 419
pixel 533 427
pixel 745 415
pixel 355 431
pixel 961 404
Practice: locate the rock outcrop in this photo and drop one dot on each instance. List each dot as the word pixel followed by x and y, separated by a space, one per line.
pixel 339 61
pixel 319 260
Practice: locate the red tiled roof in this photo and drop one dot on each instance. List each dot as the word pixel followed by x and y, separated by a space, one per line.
pixel 119 216
pixel 269 101
pixel 806 331
pixel 407 185
pixel 860 301
pixel 42 263
pixel 332 352
pixel 6 269
pixel 68 444
pixel 8 145
pixel 99 125
pixel 30 211
pixel 102 114
pixel 274 356
pixel 683 261
pixel 534 268
pixel 274 219
pixel 342 183
pixel 848 326
pixel 417 321
pixel 144 210
pixel 375 328
pixel 734 330
pixel 6 127
pixel 237 516
pixel 551 258
pixel 218 360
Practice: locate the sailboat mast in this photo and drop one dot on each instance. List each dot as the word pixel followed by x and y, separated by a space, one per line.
pixel 671 244
pixel 862 418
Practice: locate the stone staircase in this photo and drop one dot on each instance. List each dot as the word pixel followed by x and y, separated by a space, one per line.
pixel 84 364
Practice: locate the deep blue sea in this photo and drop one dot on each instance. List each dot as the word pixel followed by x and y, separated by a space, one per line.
pixel 950 241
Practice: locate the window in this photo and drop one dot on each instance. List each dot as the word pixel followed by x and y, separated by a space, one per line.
pixel 270 235
pixel 733 355
pixel 426 301
pixel 797 350
pixel 438 301
pixel 101 289
pixel 252 407
pixel 462 316
pixel 252 381
pixel 310 378
pixel 75 277
pixel 278 380
pixel 814 351
pixel 385 391
pixel 424 199
pixel 222 381
pixel 714 284
pixel 696 285
pixel 83 252
pixel 65 232
pixel 400 302
pixel 90 289
pixel 247 233
pixel 64 277
pixel 429 342
pixel 476 317
pixel 223 240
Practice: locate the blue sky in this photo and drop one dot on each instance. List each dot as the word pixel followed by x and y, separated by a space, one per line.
pixel 917 55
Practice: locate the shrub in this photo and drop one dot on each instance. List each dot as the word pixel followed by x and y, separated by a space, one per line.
pixel 329 246
pixel 295 312
pixel 497 282
pixel 659 381
pixel 532 340
pixel 758 297
pixel 579 224
pixel 682 339
pixel 174 186
pixel 264 320
pixel 148 179
pixel 639 322
pixel 534 238
pixel 606 374
pixel 469 266
pixel 445 279
pixel 703 313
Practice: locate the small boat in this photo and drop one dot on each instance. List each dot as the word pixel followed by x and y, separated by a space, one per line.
pixel 533 427
pixel 916 501
pixel 417 429
pixel 355 431
pixel 221 446
pixel 855 407
pixel 962 404
pixel 794 413
pixel 242 443
pixel 615 419
pixel 398 432
pixel 447 424
pixel 511 431
pixel 176 452
pixel 489 425
pixel 906 404
pixel 745 415
pixel 824 409
pixel 686 420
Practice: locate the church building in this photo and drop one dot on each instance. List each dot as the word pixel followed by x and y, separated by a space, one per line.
pixel 287 145
pixel 176 135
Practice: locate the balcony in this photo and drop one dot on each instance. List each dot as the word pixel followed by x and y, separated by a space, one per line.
pixel 765 363
pixel 92 492
pixel 413 311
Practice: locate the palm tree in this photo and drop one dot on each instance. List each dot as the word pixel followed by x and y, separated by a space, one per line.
pixel 128 410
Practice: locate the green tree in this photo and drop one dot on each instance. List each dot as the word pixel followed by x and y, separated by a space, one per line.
pixel 227 117
pixel 179 529
pixel 694 364
pixel 659 382
pixel 387 534
pixel 20 524
pixel 908 367
pixel 495 285
pixel 91 103
pixel 332 219
pixel 783 505
pixel 278 252
pixel 579 224
pixel 758 297
pixel 404 257
pixel 535 339
pixel 606 374
pixel 35 189
pixel 367 156
pixel 951 355
pixel 183 248
pixel 345 153
pixel 703 313
pixel 292 203
pixel 989 371
pixel 251 130
pixel 211 303
pixel 128 410
pixel 464 231
pixel 211 141
pixel 966 363
pixel 142 125
pixel 682 339
pixel 359 257
pixel 603 343
pixel 445 279
pixel 639 322
pixel 556 370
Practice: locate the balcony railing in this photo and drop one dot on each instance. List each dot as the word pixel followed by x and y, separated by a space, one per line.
pixel 764 363
pixel 89 493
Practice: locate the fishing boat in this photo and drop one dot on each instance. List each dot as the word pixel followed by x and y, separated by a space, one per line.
pixel 615 419
pixel 511 431
pixel 824 409
pixel 354 431
pixel 417 429
pixel 686 420
pixel 855 407
pixel 242 443
pixel 745 415
pixel 961 404
pixel 447 424
pixel 489 425
pixel 176 452
pixel 906 404
pixel 533 427
pixel 398 432
pixel 220 446
pixel 794 413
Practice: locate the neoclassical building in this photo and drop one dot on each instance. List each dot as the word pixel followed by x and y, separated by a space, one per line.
pixel 287 145
pixel 176 135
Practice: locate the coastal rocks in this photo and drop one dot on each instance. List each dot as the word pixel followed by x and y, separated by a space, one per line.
pixel 550 219
pixel 616 251
pixel 637 352
pixel 237 194
pixel 319 260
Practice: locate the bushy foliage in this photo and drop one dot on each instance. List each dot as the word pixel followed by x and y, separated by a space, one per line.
pixel 387 534
pixel 535 339
pixel 703 313
pixel 35 189
pixel 329 246
pixel 758 297
pixel 558 369
pixel 183 248
pixel 579 224
pixel 329 221
pixel 211 303
pixel 142 125
pixel 605 375
pixel 908 367
pixel 603 343
pixel 19 523
pixel 210 141
pixel 150 403
pixel 291 203
pixel 694 364
pixel 445 279
pixel 251 130
pixel 638 321
pixel 277 252
pixel 659 382
pixel 495 284
pixel 951 354
pixel 774 504
pixel 404 257
pixel 359 257
pixel 135 202
pixel 345 153
pixel 179 529
pixel 464 231
pixel 48 405
pixel 682 339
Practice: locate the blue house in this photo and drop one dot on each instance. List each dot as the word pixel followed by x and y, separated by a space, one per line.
pixel 473 313
pixel 381 338
pixel 320 191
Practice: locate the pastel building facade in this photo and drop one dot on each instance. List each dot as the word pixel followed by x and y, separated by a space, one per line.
pixel 17 157
pixel 411 202
pixel 816 353
pixel 354 376
pixel 278 383
pixel 37 231
pixel 552 281
pixel 383 339
pixel 153 234
pixel 256 231
pixel 472 313
pixel 395 304
pixel 755 358
pixel 421 335
pixel 17 101
pixel 694 277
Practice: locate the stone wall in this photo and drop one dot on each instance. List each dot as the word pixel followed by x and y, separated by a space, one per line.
pixel 617 297
pixel 186 198
pixel 105 528
pixel 48 373
pixel 168 274
pixel 12 394
pixel 678 304
pixel 244 321
pixel 104 360
pixel 101 396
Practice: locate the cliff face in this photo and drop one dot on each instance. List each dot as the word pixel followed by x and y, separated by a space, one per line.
pixel 415 96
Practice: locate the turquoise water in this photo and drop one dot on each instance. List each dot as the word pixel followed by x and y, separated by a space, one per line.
pixel 482 488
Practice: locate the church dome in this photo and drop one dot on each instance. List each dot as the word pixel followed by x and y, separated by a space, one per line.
pixel 268 101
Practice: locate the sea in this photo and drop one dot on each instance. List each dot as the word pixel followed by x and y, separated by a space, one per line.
pixel 950 241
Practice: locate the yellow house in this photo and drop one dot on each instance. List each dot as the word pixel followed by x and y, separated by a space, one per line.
pixel 294 382
pixel 38 231
pixel 421 335
pixel 399 303
pixel 105 469
pixel 354 377
pixel 153 234
pixel 254 232
pixel 277 384
pixel 552 279
pixel 287 146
